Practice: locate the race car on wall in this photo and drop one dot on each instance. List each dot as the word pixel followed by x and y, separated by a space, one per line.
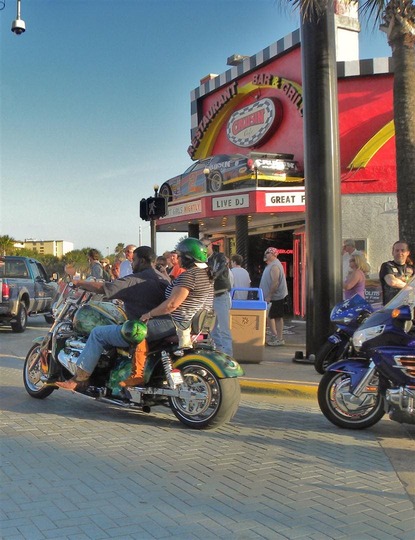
pixel 231 171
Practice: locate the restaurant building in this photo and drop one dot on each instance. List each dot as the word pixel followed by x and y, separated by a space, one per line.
pixel 256 109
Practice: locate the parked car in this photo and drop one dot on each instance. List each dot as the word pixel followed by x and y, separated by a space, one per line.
pixel 25 289
pixel 230 171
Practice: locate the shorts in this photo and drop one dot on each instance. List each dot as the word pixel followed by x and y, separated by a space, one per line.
pixel 276 310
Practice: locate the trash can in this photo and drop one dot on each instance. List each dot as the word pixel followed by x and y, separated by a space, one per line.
pixel 248 323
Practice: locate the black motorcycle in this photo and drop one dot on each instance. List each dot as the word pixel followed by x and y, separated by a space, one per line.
pixel 199 384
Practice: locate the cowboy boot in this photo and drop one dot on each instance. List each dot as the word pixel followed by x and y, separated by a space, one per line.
pixel 137 368
pixel 81 376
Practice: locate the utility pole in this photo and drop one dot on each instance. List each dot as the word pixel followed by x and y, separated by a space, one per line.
pixel 322 172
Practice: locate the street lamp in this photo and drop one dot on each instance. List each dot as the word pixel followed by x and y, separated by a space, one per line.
pixel 18 25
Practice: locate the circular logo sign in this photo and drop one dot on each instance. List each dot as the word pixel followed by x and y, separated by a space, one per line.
pixel 254 123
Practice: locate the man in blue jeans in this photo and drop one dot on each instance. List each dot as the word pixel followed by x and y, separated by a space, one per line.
pixel 218 265
pixel 140 291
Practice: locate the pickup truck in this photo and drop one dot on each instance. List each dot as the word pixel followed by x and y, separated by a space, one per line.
pixel 25 289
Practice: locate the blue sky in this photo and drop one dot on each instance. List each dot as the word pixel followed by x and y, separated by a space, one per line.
pixel 95 105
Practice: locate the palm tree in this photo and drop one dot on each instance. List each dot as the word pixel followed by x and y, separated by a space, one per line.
pixel 119 248
pixel 6 245
pixel 323 265
pixel 397 19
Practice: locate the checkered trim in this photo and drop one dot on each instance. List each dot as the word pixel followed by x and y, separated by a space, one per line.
pixel 374 66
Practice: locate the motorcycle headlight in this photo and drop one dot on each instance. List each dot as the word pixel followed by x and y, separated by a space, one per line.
pixel 361 336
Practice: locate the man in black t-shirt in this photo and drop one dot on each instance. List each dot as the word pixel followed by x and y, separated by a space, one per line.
pixel 394 274
pixel 140 291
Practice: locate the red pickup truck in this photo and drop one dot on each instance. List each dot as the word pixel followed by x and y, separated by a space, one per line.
pixel 25 289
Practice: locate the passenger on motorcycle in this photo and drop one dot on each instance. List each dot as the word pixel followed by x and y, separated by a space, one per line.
pixel 141 291
pixel 187 294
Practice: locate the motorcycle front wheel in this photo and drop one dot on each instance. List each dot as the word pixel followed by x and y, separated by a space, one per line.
pixel 219 401
pixel 32 373
pixel 344 409
pixel 328 354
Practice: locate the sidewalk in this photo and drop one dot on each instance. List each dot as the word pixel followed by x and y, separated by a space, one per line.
pixel 277 373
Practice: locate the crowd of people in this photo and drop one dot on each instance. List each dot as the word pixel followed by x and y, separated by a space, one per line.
pixel 165 292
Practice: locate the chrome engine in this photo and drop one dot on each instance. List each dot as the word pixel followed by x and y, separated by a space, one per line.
pixel 402 403
pixel 71 351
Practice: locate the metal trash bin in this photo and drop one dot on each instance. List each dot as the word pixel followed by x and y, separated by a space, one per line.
pixel 248 325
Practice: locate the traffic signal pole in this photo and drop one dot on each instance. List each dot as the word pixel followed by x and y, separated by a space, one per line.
pixel 153 235
pixel 151 209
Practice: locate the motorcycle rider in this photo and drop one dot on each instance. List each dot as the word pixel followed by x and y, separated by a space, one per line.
pixel 191 291
pixel 140 291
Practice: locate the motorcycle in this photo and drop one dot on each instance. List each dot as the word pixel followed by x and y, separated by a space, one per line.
pixel 200 385
pixel 348 316
pixel 356 392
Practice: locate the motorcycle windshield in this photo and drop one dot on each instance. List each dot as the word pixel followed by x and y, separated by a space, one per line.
pixel 350 309
pixel 405 296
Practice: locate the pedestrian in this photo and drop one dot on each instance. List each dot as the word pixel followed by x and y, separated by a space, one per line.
pixel 167 256
pixel 126 267
pixel 274 287
pixel 240 276
pixel 394 274
pixel 115 270
pixel 176 269
pixel 218 265
pixel 95 267
pixel 106 268
pixel 349 249
pixel 356 278
pixel 161 266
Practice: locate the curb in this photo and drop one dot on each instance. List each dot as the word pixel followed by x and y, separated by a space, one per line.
pixel 304 390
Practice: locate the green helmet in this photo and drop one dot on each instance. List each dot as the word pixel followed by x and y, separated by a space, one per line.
pixel 192 250
pixel 134 331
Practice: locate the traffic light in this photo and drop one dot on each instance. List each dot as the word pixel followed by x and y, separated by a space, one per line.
pixel 143 209
pixel 153 208
pixel 156 207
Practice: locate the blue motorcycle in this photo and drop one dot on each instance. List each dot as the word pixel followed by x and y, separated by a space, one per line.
pixel 347 316
pixel 356 392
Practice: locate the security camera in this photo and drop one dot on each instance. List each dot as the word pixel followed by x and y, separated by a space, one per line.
pixel 18 26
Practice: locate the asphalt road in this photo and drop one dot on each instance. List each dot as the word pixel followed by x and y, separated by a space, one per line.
pixel 77 469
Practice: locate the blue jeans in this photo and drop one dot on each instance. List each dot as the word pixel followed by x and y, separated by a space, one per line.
pixel 103 337
pixel 221 334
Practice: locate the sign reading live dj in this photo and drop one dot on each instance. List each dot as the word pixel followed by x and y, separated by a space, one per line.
pixel 253 124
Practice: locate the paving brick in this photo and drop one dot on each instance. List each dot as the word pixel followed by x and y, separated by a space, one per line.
pixel 277 471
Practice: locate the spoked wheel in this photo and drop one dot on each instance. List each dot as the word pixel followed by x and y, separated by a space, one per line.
pixel 343 408
pixel 32 373
pixel 214 402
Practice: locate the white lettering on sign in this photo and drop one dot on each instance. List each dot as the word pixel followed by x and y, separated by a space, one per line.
pixel 285 199
pixel 194 207
pixel 230 203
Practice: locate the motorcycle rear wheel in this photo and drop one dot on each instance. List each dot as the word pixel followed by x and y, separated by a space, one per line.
pixel 218 407
pixel 328 354
pixel 32 372
pixel 345 410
